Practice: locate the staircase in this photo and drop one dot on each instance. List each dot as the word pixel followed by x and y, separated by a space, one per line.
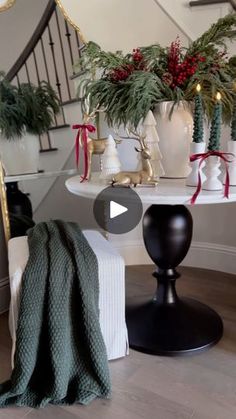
pixel 51 55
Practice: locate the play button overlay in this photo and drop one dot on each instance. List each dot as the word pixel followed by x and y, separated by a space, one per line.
pixel 118 210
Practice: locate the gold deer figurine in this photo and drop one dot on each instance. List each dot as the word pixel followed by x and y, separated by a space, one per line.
pixel 95 146
pixel 141 177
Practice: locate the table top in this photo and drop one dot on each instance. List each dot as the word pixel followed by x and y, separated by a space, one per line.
pixel 39 175
pixel 168 191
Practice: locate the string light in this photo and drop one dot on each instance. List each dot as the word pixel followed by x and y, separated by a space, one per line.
pixel 198 88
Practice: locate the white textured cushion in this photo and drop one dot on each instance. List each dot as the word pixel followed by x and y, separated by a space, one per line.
pixel 111 272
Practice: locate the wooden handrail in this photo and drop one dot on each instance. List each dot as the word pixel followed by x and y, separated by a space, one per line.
pixel 212 2
pixel 51 6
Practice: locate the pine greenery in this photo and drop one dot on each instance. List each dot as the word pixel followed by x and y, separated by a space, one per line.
pixel 128 101
pixel 233 124
pixel 214 140
pixel 216 36
pixel 198 130
pixel 26 108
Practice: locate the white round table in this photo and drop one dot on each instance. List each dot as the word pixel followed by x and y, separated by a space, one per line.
pixel 166 324
pixel 169 192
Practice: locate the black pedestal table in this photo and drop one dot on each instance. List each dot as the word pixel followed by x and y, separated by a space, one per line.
pixel 167 324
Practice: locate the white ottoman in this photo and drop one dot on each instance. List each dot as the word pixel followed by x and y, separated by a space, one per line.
pixel 111 271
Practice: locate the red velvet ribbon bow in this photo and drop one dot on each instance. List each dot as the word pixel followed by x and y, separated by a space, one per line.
pixel 202 157
pixel 83 130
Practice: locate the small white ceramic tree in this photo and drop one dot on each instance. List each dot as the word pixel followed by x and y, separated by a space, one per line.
pixel 110 160
pixel 152 140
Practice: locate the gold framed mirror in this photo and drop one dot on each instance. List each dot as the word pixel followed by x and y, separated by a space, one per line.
pixel 6 4
pixel 4 209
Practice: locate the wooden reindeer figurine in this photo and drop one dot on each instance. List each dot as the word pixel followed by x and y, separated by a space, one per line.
pixel 141 177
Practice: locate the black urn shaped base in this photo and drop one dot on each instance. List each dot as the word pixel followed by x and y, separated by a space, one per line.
pixel 167 324
pixel 184 327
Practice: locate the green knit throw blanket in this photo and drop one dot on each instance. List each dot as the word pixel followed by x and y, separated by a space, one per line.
pixel 60 354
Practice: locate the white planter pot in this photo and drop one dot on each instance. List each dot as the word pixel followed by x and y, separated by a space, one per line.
pixel 232 165
pixel 175 137
pixel 21 155
pixel 192 179
pixel 212 172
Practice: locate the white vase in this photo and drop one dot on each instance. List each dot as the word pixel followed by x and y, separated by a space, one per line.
pixel 20 155
pixel 232 165
pixel 175 136
pixel 212 172
pixel 192 179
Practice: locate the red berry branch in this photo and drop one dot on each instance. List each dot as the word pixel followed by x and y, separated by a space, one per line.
pixel 179 70
pixel 123 72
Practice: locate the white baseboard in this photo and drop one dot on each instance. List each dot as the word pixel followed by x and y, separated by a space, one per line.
pixel 201 255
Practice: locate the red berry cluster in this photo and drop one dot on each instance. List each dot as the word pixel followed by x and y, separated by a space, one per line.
pixel 121 73
pixel 137 55
pixel 181 71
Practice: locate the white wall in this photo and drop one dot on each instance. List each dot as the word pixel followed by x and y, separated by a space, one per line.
pixel 121 24
pixel 17 25
pixel 193 20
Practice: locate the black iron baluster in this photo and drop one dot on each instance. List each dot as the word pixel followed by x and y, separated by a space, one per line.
pixel 18 80
pixel 63 55
pixel 46 69
pixel 40 143
pixel 51 43
pixel 27 72
pixel 58 84
pixel 78 43
pixel 36 67
pixel 68 35
pixel 49 141
pixel 44 59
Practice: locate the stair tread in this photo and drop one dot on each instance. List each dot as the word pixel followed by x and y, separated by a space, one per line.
pixel 59 127
pixel 68 102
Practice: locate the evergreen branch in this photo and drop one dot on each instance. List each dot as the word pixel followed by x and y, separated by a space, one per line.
pixel 220 32
pixel 26 108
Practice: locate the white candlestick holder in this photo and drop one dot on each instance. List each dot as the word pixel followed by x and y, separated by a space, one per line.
pixel 212 172
pixel 192 179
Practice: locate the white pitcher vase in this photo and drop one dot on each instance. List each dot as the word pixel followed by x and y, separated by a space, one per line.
pixel 175 135
pixel 232 165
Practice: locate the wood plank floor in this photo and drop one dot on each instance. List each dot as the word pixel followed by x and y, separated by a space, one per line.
pixel 145 386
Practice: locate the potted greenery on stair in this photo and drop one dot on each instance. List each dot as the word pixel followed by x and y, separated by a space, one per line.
pixel 26 111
